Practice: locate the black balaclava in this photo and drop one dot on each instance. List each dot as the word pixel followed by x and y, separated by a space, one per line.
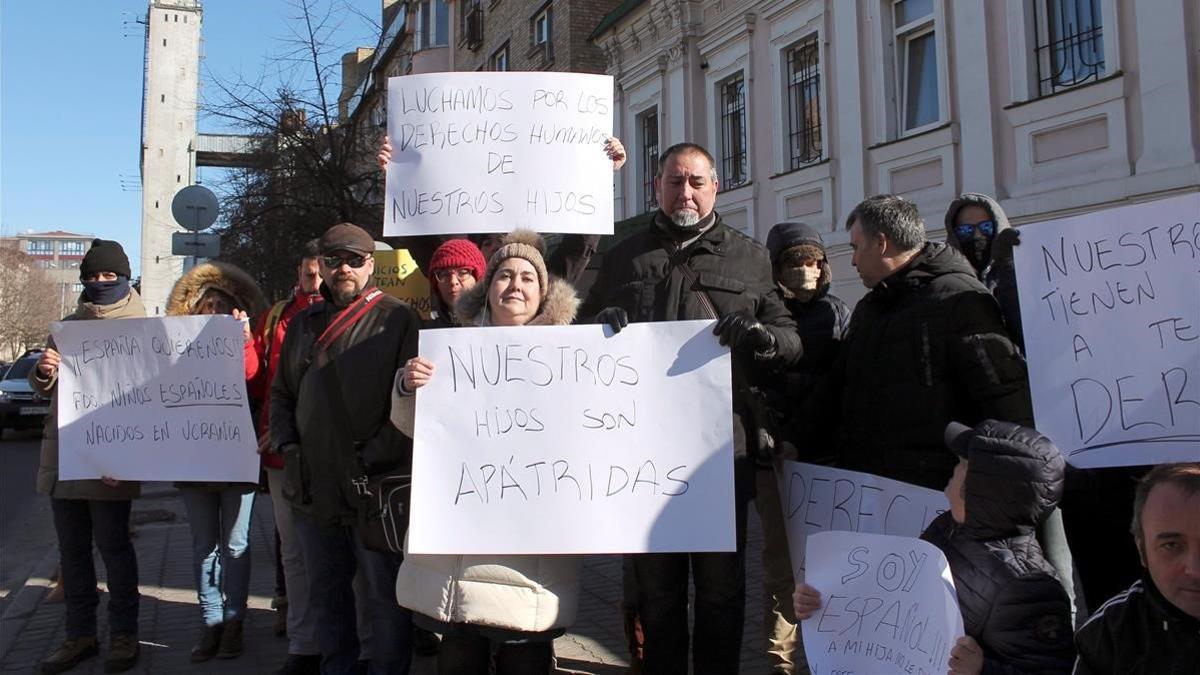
pixel 106 292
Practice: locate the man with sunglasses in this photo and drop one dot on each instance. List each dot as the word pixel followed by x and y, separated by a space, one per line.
pixel 979 229
pixel 330 403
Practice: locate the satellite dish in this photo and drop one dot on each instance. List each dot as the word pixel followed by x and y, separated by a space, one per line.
pixel 195 208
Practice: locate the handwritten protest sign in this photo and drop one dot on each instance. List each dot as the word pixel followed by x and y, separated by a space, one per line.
pixel 562 440
pixel 1110 303
pixel 819 498
pixel 154 399
pixel 488 152
pixel 888 605
pixel 397 274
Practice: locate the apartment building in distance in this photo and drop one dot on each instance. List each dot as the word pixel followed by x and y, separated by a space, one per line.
pixel 1054 106
pixel 59 255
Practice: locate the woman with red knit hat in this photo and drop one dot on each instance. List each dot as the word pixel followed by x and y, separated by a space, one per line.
pixel 454 268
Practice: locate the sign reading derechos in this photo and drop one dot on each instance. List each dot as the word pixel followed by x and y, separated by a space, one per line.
pixel 820 498
pixel 888 605
pixel 154 399
pixel 562 440
pixel 1110 308
pixel 489 152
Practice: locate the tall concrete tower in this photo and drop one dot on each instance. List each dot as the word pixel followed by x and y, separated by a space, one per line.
pixel 170 90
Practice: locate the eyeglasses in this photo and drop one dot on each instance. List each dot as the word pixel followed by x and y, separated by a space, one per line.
pixel 965 230
pixel 461 274
pixel 336 261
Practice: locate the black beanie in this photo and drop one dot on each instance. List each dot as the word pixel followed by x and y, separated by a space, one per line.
pixel 786 235
pixel 104 256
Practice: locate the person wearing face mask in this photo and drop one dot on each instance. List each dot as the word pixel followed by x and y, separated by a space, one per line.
pixel 219 513
pixel 803 276
pixel 92 510
pixel 978 228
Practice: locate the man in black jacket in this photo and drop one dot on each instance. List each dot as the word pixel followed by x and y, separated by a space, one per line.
pixel 330 403
pixel 689 265
pixel 925 347
pixel 1154 626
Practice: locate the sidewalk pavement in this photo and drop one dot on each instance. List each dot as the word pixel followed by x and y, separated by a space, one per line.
pixel 170 617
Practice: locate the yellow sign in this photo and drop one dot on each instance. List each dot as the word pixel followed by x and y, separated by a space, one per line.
pixel 397 274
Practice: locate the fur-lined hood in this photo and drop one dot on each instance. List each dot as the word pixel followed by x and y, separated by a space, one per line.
pixel 558 307
pixel 224 277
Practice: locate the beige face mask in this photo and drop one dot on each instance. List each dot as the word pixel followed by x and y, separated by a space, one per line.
pixel 800 278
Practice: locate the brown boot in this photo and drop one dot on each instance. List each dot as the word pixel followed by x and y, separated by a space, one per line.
pixel 69 654
pixel 210 642
pixel 231 640
pixel 123 650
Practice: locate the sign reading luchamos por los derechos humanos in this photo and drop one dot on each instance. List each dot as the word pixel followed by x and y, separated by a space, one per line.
pixel 154 399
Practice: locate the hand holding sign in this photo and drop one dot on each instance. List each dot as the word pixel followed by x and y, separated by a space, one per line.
pixel 889 605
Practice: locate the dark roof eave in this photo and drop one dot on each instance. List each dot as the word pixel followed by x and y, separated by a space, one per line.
pixel 614 16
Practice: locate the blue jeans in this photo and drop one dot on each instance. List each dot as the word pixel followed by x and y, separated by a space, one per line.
pixel 220 521
pixel 332 555
pixel 77 521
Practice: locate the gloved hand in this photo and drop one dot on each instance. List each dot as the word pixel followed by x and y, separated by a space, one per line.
pixel 616 317
pixel 1002 247
pixel 741 329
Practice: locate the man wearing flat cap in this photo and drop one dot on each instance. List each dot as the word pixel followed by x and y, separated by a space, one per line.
pixel 329 418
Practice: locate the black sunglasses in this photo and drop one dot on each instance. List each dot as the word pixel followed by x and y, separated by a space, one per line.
pixel 336 261
pixel 965 230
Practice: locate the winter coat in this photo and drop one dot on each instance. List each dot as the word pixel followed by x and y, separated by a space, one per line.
pixel 925 347
pixel 48 483
pixel 1011 601
pixel 1000 276
pixel 268 341
pixel 1138 632
pixel 639 276
pixel 184 300
pixel 324 447
pixel 512 595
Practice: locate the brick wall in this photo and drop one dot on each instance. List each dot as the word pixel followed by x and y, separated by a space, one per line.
pixel 511 21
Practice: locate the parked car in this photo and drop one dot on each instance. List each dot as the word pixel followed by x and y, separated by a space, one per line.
pixel 20 407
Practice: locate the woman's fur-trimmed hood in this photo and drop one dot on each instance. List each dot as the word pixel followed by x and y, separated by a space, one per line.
pixel 229 279
pixel 558 307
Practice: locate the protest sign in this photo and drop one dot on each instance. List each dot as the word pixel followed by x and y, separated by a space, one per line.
pixel 1110 309
pixel 154 399
pixel 558 439
pixel 489 152
pixel 397 274
pixel 888 605
pixel 818 498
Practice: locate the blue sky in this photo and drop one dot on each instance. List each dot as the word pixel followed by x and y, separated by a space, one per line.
pixel 70 102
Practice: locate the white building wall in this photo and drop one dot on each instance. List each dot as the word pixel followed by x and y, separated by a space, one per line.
pixel 1131 135
pixel 169 125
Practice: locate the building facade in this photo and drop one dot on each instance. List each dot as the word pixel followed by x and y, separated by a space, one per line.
pixel 59 255
pixel 1053 106
pixel 170 90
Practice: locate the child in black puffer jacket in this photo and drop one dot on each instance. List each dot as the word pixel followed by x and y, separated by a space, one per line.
pixel 1016 615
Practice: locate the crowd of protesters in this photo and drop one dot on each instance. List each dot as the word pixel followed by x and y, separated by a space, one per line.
pixel 924 381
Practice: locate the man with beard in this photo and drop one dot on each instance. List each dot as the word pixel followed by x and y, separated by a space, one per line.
pixel 688 264
pixel 340 356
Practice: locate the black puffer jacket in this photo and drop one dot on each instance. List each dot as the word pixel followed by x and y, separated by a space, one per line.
pixel 1138 632
pixel 1011 602
pixel 925 347
pixel 359 368
pixel 733 269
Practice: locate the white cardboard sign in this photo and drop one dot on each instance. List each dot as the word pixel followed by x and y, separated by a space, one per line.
pixel 888 605
pixel 154 399
pixel 489 152
pixel 1110 304
pixel 820 498
pixel 558 439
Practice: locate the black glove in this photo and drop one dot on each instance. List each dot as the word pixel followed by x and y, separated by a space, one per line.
pixel 616 317
pixel 1002 247
pixel 740 329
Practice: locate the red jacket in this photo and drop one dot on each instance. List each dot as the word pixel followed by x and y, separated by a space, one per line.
pixel 268 338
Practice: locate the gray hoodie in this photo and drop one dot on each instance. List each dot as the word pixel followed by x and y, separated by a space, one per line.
pixel 1000 278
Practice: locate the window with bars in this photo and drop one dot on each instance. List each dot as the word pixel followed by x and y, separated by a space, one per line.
pixel 648 139
pixel 734 158
pixel 803 81
pixel 915 33
pixel 1070 45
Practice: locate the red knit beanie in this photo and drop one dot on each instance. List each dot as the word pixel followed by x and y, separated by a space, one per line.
pixel 455 254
